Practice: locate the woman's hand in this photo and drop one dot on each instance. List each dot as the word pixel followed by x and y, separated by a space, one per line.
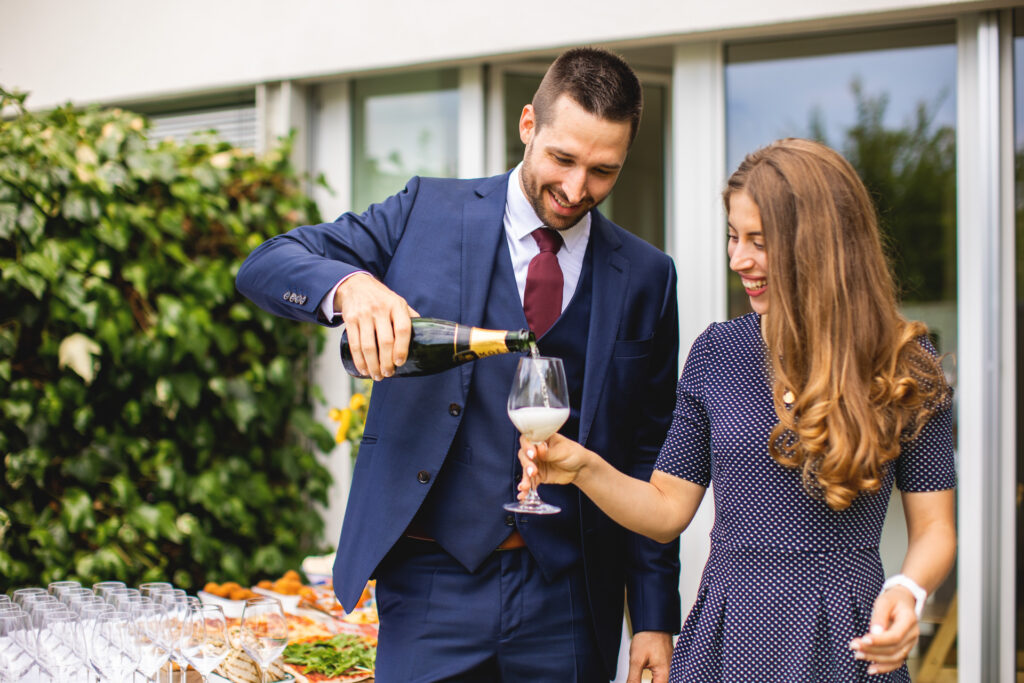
pixel 894 630
pixel 558 461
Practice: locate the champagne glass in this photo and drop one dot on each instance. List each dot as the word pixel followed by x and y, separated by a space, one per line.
pixel 70 595
pixel 538 406
pixel 57 588
pixel 204 639
pixel 153 630
pixel 103 587
pixel 22 595
pixel 61 645
pixel 264 632
pixel 113 647
pixel 16 658
pixel 175 601
pixel 148 589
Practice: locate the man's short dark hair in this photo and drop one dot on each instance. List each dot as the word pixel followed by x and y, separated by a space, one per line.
pixel 597 80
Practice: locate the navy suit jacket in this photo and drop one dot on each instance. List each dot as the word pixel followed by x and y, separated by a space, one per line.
pixel 434 243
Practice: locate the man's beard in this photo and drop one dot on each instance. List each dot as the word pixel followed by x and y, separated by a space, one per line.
pixel 536 196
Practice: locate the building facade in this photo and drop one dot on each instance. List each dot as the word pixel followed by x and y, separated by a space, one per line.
pixel 925 97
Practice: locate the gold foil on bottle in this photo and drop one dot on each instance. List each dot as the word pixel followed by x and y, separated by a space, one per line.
pixel 487 342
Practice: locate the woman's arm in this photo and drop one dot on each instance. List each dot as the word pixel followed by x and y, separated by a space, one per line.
pixel 659 509
pixel 931 550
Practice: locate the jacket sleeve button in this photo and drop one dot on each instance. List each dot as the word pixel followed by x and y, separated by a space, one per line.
pixel 423 477
pixel 454 409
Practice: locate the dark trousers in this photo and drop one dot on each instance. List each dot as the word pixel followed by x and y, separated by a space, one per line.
pixel 503 623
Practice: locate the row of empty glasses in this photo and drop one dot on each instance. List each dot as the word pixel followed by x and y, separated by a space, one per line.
pixel 117 634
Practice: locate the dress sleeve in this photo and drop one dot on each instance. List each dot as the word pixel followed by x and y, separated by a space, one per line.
pixel 686 452
pixel 928 462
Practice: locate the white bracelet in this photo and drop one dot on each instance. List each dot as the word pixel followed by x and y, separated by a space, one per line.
pixel 919 593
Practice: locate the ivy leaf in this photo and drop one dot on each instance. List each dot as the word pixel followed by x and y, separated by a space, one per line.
pixel 76 510
pixel 79 353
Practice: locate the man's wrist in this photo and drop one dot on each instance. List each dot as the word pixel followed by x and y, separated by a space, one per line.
pixel 329 305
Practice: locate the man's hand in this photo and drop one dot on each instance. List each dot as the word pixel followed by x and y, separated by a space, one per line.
pixel 650 650
pixel 377 323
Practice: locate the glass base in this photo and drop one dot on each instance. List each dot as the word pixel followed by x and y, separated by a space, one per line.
pixel 538 508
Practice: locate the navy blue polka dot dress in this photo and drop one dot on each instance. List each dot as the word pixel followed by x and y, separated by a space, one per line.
pixel 789 582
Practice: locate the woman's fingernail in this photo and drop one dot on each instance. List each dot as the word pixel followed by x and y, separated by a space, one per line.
pixel 872 670
pixel 530 471
pixel 530 454
pixel 876 628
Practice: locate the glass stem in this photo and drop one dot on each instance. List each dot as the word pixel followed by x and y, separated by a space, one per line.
pixel 532 497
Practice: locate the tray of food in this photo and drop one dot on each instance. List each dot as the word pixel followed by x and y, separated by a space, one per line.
pixel 344 658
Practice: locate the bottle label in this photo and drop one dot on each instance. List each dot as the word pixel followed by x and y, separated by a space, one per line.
pixel 486 342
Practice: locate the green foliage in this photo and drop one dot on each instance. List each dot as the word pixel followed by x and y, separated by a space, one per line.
pixel 911 174
pixel 153 423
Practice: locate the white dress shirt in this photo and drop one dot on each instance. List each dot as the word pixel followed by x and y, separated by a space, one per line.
pixel 520 220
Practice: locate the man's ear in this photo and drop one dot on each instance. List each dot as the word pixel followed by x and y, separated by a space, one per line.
pixel 527 124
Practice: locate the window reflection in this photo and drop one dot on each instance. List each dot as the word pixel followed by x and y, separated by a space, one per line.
pixel 404 125
pixel 887 101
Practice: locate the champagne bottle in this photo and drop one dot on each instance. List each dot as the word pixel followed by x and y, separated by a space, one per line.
pixel 438 345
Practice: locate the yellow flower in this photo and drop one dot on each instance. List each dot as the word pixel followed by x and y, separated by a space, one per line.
pixel 344 420
pixel 357 402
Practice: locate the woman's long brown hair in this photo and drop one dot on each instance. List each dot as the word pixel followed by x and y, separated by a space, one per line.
pixel 861 380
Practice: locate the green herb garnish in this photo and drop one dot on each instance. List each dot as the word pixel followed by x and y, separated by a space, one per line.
pixel 332 657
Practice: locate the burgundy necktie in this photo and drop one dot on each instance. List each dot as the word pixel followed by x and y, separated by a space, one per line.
pixel 542 300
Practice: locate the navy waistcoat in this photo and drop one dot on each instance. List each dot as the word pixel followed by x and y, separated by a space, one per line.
pixel 463 509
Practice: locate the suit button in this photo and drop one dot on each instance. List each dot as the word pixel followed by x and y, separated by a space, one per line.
pixel 510 520
pixel 423 477
pixel 454 409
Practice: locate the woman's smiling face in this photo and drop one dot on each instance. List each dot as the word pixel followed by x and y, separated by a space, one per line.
pixel 747 256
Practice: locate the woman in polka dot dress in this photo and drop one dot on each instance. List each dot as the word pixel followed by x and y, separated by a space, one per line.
pixel 803 418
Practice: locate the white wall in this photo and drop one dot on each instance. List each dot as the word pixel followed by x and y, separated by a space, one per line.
pixel 127 50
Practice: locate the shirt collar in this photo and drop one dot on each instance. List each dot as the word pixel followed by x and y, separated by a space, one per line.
pixel 523 220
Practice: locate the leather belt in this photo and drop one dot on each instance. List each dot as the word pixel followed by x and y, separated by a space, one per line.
pixel 512 542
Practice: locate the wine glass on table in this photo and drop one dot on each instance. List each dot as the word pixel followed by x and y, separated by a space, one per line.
pixel 62 646
pixel 113 647
pixel 17 646
pixel 264 632
pixel 538 406
pixel 204 639
pixel 154 637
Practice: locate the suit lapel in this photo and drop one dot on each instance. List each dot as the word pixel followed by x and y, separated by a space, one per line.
pixel 611 275
pixel 482 230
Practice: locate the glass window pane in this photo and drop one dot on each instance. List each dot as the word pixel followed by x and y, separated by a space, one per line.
pixel 404 125
pixel 888 103
pixel 638 201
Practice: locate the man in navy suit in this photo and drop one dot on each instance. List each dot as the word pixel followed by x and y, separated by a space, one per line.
pixel 467 591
